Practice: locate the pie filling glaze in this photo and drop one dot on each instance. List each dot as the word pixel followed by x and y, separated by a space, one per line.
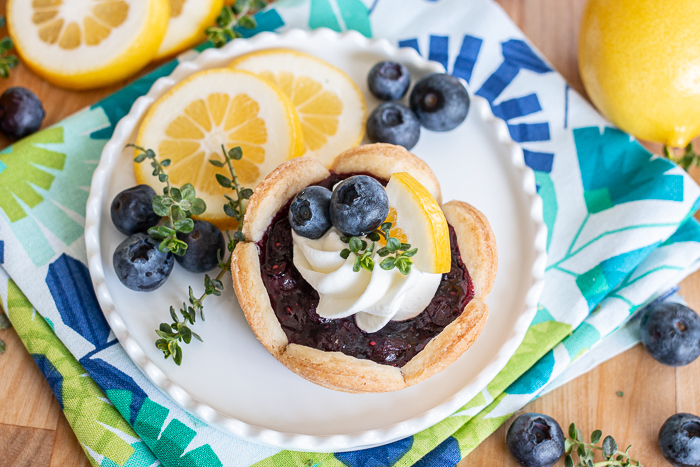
pixel 294 301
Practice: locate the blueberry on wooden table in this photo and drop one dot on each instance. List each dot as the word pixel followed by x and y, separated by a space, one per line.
pixel 139 265
pixel 670 332
pixel 394 124
pixel 389 81
pixel 359 205
pixel 679 440
pixel 535 440
pixel 440 102
pixel 132 211
pixel 309 213
pixel 203 244
pixel 21 112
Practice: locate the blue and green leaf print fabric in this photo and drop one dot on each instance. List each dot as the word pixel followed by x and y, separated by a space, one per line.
pixel 620 234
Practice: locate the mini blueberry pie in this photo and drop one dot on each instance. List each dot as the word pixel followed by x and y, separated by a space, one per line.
pixel 356 277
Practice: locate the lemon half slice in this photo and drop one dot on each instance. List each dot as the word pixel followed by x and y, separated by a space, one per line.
pixel 417 219
pixel 188 20
pixel 82 44
pixel 331 107
pixel 190 123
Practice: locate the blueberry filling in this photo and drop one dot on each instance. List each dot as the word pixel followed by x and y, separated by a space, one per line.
pixel 294 302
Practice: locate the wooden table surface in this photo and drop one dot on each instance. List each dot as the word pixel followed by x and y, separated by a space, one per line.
pixel 34 431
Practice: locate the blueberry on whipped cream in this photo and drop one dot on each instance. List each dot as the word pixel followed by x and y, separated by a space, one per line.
pixel 309 213
pixel 359 205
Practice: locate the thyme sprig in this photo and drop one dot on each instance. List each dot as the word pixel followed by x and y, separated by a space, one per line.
pixel 363 258
pixel 585 452
pixel 234 208
pixel 685 160
pixel 7 61
pixel 232 16
pixel 171 335
pixel 396 254
pixel 175 204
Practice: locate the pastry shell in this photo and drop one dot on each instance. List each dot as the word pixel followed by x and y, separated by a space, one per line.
pixel 335 370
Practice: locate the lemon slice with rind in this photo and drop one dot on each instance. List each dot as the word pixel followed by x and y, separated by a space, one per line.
pixel 190 123
pixel 188 21
pixel 82 44
pixel 417 219
pixel 331 107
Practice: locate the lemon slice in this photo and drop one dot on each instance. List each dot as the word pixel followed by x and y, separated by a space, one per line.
pixel 218 107
pixel 82 44
pixel 417 219
pixel 188 20
pixel 331 107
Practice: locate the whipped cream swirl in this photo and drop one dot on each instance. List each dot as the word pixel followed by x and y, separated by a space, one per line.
pixel 374 297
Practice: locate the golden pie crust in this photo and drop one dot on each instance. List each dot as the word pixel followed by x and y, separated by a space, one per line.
pixel 335 370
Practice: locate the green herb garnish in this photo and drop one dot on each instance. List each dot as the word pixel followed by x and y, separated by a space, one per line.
pixel 396 254
pixel 178 331
pixel 238 14
pixel 175 204
pixel 7 61
pixel 356 245
pixel 586 451
pixel 685 160
pixel 234 208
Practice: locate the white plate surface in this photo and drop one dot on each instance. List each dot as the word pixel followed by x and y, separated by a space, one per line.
pixel 230 380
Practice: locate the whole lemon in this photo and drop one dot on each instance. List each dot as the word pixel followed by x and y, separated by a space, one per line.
pixel 640 64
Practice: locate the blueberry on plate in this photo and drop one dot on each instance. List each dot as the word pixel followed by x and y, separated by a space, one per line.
pixel 535 440
pixel 132 211
pixel 21 112
pixel 671 333
pixel 388 81
pixel 309 213
pixel 679 440
pixel 359 205
pixel 395 124
pixel 139 265
pixel 203 243
pixel 440 102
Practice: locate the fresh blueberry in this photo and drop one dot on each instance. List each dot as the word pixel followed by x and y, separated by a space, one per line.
pixel 359 205
pixel 440 102
pixel 309 213
pixel 671 333
pixel 535 440
pixel 132 211
pixel 388 81
pixel 679 440
pixel 395 124
pixel 21 112
pixel 203 243
pixel 139 264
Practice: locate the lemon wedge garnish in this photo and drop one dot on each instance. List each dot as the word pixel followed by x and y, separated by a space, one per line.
pixel 188 21
pixel 417 219
pixel 331 107
pixel 190 123
pixel 82 44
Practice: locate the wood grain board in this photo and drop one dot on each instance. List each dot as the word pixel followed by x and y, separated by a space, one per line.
pixel 34 431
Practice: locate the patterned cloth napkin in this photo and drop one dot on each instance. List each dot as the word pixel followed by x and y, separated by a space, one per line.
pixel 620 224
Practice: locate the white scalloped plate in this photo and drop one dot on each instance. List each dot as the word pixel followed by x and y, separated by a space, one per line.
pixel 230 380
